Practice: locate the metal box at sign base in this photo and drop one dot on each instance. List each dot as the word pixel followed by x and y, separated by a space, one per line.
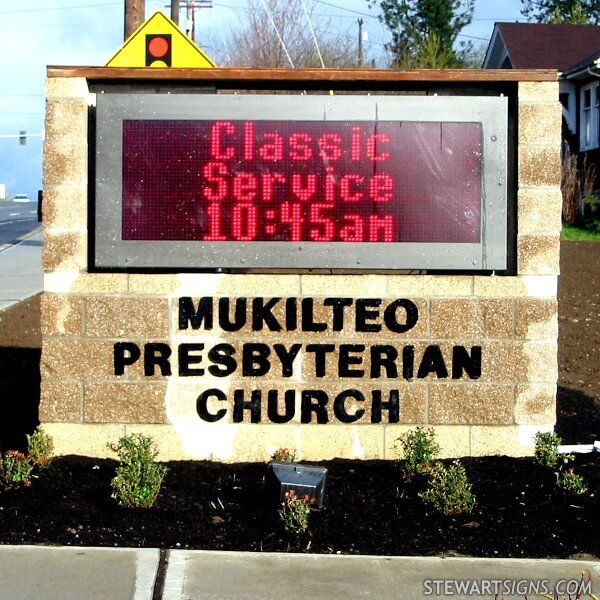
pixel 305 480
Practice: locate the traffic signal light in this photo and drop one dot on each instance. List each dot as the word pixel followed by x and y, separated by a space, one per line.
pixel 158 50
pixel 22 137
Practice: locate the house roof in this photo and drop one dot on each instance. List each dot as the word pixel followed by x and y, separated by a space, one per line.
pixel 544 46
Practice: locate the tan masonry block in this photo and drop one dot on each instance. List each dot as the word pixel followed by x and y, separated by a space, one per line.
pixel 239 284
pixel 538 91
pixel 124 402
pixel 425 286
pixel 245 306
pixel 66 120
pixel 167 439
pixel 65 206
pixel 354 286
pixel 528 286
pixel 520 362
pixel 325 442
pixel 156 285
pixel 67 282
pixel 536 319
pixel 122 316
pixel 65 162
pixel 64 250
pixel 61 315
pixel 182 395
pixel 257 443
pixel 471 319
pixel 452 439
pixel 540 123
pixel 540 210
pixel 538 254
pixel 85 439
pixel 258 285
pixel 535 404
pixel 471 404
pixel 374 318
pixel 64 358
pixel 509 440
pixel 57 87
pixel 539 165
pixel 358 361
pixel 61 402
pixel 20 324
pixel 220 442
pixel 313 321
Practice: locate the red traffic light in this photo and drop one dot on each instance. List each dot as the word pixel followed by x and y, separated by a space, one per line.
pixel 158 50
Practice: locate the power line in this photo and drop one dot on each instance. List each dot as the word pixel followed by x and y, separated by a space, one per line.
pixel 278 34
pixel 313 33
pixel 356 12
pixel 34 10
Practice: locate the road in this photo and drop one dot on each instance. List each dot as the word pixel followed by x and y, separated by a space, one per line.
pixel 16 220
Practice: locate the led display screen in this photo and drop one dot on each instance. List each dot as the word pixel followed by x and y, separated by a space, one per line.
pixel 311 181
pixel 267 181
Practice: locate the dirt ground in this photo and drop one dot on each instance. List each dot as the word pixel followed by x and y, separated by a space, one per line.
pixel 579 343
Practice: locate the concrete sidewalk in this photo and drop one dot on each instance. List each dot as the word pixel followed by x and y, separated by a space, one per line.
pixel 65 573
pixel 21 273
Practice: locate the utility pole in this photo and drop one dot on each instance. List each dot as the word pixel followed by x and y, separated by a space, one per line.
pixel 175 11
pixel 134 16
pixel 190 23
pixel 360 41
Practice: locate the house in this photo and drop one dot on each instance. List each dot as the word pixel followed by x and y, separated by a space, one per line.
pixel 574 51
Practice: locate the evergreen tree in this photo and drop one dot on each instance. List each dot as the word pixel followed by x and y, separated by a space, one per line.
pixel 424 31
pixel 574 12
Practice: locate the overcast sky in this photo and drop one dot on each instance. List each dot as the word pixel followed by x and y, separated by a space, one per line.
pixel 87 32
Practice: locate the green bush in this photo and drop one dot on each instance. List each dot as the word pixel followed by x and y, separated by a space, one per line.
pixel 546 449
pixel 138 478
pixel 419 448
pixel 40 448
pixel 15 468
pixel 449 490
pixel 295 511
pixel 571 482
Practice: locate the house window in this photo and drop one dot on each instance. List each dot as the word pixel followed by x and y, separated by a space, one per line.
pixel 590 119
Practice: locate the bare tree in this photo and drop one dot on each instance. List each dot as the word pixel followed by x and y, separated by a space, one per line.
pixel 282 36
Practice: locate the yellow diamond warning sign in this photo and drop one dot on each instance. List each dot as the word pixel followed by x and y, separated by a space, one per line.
pixel 160 43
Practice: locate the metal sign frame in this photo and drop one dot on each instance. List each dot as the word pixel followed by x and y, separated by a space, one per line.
pixel 111 252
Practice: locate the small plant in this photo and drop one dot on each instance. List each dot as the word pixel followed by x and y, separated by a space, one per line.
pixel 138 478
pixel 40 448
pixel 546 449
pixel 449 489
pixel 284 455
pixel 419 448
pixel 571 482
pixel 295 511
pixel 15 468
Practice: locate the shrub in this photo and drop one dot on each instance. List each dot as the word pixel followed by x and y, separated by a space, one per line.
pixel 571 482
pixel 284 455
pixel 419 448
pixel 546 449
pixel 138 478
pixel 449 489
pixel 40 448
pixel 570 186
pixel 15 468
pixel 295 511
